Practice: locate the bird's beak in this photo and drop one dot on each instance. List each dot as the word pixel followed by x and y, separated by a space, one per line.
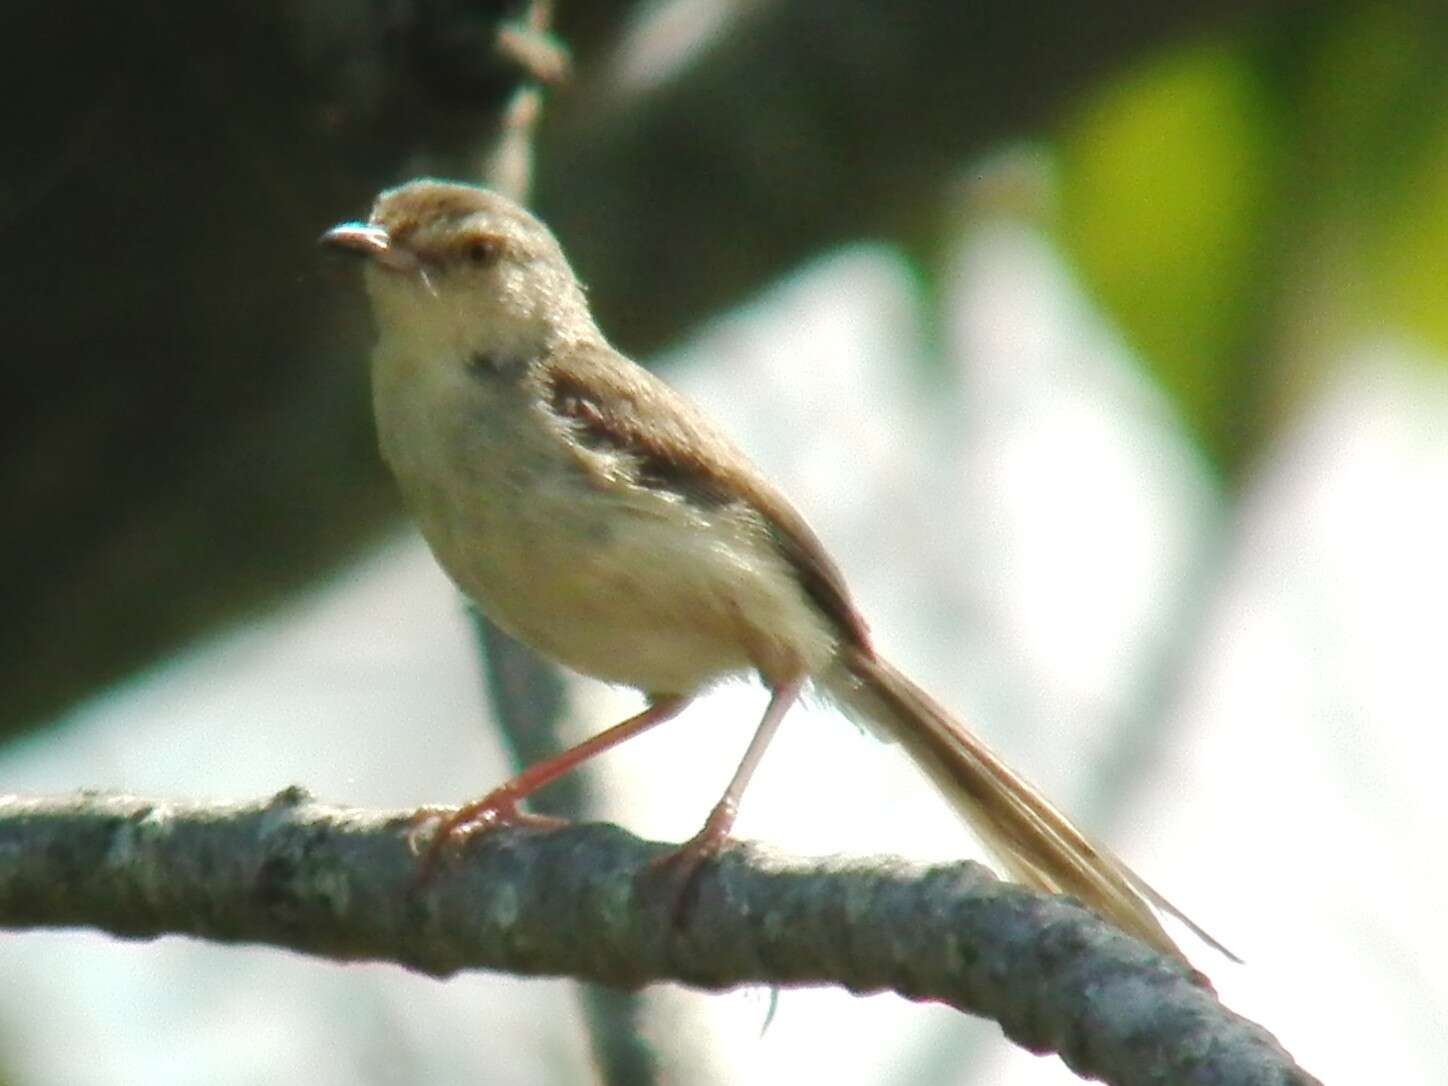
pixel 364 239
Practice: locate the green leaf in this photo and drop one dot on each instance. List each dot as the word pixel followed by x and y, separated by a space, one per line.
pixel 1164 184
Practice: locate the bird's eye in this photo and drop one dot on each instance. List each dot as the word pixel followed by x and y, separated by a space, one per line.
pixel 481 251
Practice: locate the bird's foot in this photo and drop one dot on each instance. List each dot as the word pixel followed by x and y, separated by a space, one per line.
pixel 436 829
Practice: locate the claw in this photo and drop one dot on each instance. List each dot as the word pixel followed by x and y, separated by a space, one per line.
pixel 679 869
pixel 457 825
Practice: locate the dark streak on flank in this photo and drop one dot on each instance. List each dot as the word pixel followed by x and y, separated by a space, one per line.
pixel 570 401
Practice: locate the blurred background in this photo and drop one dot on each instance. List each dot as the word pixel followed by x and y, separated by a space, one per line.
pixel 1106 346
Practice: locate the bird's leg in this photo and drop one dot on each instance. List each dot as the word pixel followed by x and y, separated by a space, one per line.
pixel 682 864
pixel 500 806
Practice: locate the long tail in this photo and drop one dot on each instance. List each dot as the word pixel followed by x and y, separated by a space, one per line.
pixel 1037 844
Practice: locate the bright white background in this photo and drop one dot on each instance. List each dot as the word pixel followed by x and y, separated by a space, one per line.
pixel 1248 701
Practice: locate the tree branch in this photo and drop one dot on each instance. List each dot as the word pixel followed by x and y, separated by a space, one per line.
pixel 589 902
pixel 810 123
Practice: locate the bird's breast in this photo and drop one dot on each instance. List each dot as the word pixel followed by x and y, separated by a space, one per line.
pixel 611 579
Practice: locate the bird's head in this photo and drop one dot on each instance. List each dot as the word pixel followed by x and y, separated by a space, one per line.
pixel 467 267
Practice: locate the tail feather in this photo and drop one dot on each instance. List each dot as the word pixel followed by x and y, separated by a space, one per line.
pixel 1038 845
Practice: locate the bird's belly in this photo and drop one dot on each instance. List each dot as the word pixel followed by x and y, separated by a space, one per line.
pixel 611 579
pixel 592 600
pixel 623 597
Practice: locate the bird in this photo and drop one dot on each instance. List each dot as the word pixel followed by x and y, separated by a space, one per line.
pixel 598 516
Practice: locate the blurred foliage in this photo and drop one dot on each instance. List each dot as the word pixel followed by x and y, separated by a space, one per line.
pixel 1165 187
pixel 194 444
pixel 1232 201
pixel 1413 251
pixel 1244 187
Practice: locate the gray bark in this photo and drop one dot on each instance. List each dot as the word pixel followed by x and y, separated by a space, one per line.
pixel 592 902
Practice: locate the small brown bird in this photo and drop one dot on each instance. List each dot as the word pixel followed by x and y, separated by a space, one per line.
pixel 598 516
